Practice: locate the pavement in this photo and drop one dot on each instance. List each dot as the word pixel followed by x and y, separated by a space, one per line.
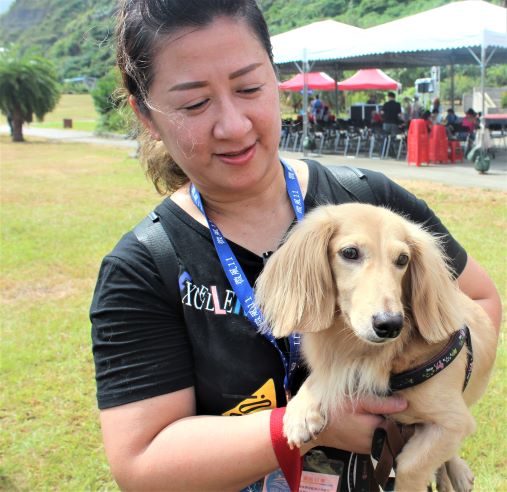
pixel 458 174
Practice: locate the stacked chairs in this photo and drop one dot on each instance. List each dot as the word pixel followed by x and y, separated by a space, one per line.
pixel 292 136
pixel 344 138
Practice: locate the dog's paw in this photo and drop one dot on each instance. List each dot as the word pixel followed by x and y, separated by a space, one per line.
pixel 461 476
pixel 442 479
pixel 302 425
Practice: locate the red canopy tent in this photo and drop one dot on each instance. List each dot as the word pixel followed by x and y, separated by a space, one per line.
pixel 320 81
pixel 368 79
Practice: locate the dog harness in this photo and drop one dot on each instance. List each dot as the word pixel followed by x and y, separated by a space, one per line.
pixel 425 371
pixel 390 437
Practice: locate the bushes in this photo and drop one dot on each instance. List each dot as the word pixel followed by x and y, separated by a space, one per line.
pixel 110 103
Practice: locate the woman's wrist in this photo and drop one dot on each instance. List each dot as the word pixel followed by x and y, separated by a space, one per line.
pixel 290 460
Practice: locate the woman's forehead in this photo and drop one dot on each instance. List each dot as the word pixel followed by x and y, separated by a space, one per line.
pixel 224 44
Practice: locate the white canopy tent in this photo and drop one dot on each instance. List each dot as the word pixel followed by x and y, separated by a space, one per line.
pixel 464 32
pixel 308 42
pixel 301 47
pixel 443 35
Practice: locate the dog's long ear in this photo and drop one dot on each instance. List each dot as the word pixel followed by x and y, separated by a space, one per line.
pixel 433 295
pixel 295 291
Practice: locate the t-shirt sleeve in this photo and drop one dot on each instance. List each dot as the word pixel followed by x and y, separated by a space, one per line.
pixel 399 200
pixel 140 343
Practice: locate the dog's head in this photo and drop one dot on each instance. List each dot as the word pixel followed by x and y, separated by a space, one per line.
pixel 369 265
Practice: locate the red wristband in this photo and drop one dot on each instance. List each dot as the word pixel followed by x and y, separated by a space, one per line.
pixel 290 461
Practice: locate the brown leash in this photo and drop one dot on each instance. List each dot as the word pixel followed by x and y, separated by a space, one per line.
pixel 388 440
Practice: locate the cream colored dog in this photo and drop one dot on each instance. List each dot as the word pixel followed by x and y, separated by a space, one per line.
pixel 371 294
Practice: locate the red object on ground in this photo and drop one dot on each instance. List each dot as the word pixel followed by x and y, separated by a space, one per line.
pixel 438 151
pixel 455 151
pixel 418 143
pixel 368 79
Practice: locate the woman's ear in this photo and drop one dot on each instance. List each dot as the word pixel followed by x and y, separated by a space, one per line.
pixel 144 118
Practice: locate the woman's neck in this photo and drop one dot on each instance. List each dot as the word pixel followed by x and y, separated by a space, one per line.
pixel 257 219
pixel 268 195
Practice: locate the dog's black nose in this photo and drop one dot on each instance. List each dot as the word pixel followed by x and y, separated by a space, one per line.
pixel 387 325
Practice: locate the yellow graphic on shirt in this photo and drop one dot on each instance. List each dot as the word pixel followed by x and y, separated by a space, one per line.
pixel 262 399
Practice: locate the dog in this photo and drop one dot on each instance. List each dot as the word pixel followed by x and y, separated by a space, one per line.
pixel 372 295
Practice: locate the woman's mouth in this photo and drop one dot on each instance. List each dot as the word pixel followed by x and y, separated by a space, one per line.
pixel 238 157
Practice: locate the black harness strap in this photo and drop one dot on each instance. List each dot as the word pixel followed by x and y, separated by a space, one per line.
pixel 425 371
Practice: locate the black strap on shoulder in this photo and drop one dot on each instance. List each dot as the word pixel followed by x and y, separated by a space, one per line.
pixel 151 233
pixel 355 182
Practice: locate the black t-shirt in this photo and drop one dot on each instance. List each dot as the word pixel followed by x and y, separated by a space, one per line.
pixel 146 344
pixel 391 112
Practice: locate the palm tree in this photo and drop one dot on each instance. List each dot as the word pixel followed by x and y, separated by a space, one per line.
pixel 28 87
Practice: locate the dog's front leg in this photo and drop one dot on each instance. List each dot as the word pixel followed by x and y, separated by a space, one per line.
pixel 430 447
pixel 304 417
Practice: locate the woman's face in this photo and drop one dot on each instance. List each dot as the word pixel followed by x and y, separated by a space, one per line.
pixel 214 104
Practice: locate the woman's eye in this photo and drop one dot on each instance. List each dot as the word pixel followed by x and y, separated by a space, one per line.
pixel 402 260
pixel 350 253
pixel 251 90
pixel 198 105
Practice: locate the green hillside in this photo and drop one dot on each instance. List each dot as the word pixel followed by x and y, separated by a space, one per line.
pixel 78 34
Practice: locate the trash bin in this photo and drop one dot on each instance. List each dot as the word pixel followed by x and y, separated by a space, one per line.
pixel 67 123
pixel 455 151
pixel 417 143
pixel 438 151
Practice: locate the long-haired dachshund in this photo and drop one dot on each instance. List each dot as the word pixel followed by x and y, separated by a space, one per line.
pixel 372 296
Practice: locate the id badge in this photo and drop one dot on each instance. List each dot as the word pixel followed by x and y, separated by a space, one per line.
pixel 320 474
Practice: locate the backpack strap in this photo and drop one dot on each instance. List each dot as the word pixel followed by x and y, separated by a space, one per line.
pixel 355 182
pixel 151 233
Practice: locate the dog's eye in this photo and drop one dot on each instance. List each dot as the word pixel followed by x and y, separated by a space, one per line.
pixel 402 260
pixel 350 253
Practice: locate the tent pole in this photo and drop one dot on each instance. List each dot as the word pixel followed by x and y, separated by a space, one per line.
pixel 335 77
pixel 452 85
pixel 483 70
pixel 305 101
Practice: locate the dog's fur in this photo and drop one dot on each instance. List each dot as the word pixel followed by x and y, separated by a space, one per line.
pixel 308 287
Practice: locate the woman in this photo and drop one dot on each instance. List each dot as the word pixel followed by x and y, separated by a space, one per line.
pixel 171 372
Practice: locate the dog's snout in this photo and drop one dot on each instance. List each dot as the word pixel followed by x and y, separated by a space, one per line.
pixel 387 325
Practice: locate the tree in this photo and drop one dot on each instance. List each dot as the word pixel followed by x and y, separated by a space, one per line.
pixel 28 87
pixel 110 103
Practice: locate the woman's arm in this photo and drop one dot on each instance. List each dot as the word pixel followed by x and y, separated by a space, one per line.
pixel 476 284
pixel 159 444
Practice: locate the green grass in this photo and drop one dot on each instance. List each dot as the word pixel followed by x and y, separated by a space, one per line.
pixel 63 207
pixel 78 107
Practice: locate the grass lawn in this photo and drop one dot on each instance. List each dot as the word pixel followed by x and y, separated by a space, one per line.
pixel 63 206
pixel 78 107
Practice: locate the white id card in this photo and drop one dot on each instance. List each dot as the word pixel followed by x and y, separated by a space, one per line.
pixel 320 474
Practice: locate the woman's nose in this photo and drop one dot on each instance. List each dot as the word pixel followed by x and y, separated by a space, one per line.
pixel 231 121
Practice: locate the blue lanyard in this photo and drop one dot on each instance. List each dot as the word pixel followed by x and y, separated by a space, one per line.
pixel 239 281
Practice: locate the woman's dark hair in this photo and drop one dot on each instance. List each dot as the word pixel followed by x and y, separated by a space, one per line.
pixel 142 25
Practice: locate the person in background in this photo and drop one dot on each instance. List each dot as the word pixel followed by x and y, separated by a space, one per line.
pixel 191 394
pixel 470 121
pixel 436 105
pixel 436 117
pixel 372 99
pixel 416 109
pixel 451 118
pixel 406 110
pixel 317 108
pixel 376 120
pixel 391 115
pixel 451 121
pixel 426 116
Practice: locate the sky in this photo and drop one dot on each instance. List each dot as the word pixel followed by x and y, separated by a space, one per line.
pixel 4 5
